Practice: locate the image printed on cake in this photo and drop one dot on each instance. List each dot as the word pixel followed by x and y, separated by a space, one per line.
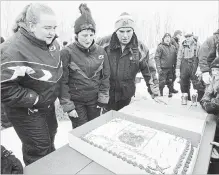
pixel 154 151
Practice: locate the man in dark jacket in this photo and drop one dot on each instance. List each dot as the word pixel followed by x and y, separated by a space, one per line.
pixel 165 58
pixel 210 103
pixel 210 100
pixel 30 74
pixel 207 55
pixel 175 40
pixel 127 56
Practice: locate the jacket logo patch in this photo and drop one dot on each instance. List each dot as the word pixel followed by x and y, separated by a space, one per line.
pixel 101 57
pixel 52 48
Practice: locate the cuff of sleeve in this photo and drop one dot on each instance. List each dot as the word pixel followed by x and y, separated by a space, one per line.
pixel 67 105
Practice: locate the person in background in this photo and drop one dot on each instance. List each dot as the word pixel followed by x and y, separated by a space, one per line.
pixel 31 70
pixel 127 56
pixel 187 63
pixel 175 40
pixel 165 58
pixel 65 43
pixel 207 55
pixel 85 85
pixel 210 103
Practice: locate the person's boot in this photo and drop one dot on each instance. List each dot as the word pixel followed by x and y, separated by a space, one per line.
pixel 189 97
pixel 174 91
pixel 170 93
pixel 161 91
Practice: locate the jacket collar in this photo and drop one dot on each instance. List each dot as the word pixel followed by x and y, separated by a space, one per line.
pixel 115 44
pixel 165 44
pixel 34 40
pixel 86 50
pixel 176 39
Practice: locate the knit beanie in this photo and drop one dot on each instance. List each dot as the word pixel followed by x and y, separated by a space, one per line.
pixel 124 20
pixel 177 32
pixel 165 35
pixel 85 21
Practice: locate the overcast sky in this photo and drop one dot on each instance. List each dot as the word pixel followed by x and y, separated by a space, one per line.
pixel 185 15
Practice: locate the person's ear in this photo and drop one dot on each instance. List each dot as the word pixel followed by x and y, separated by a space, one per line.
pixel 32 27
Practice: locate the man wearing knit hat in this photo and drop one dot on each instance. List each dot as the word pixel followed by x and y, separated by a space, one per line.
pixel 86 72
pixel 127 56
pixel 186 66
pixel 165 58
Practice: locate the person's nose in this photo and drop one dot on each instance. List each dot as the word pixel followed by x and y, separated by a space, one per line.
pixel 125 35
pixel 52 32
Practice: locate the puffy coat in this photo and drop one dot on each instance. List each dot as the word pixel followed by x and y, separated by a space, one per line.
pixel 208 52
pixel 210 100
pixel 187 51
pixel 29 67
pixel 165 56
pixel 124 66
pixel 86 75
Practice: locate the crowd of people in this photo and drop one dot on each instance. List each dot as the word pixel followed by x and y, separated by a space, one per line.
pixel 92 77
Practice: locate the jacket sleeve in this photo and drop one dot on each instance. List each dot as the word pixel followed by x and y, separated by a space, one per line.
pixel 203 55
pixel 103 95
pixel 148 69
pixel 12 93
pixel 179 57
pixel 157 58
pixel 65 97
pixel 209 103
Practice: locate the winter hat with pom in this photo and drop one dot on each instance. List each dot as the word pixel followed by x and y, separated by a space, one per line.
pixel 124 20
pixel 85 21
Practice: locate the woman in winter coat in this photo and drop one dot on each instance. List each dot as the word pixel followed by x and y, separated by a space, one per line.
pixel 30 72
pixel 85 84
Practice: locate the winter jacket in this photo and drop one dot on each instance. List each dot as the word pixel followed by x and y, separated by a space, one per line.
pixel 165 56
pixel 187 51
pixel 9 163
pixel 208 52
pixel 210 100
pixel 124 66
pixel 86 75
pixel 174 41
pixel 30 68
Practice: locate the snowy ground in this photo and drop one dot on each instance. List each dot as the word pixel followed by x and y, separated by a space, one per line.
pixel 11 141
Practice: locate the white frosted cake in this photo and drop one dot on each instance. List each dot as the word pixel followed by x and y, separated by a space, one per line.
pixel 154 151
